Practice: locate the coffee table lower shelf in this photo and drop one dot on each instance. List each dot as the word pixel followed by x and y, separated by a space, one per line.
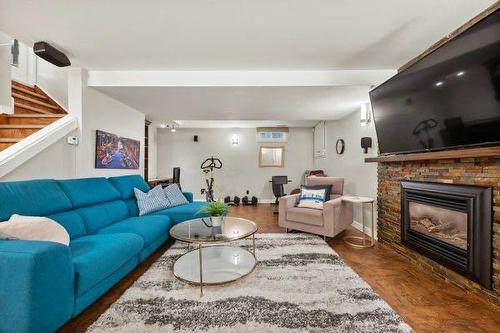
pixel 219 264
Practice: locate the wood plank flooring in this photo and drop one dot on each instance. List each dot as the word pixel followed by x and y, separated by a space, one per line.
pixel 427 303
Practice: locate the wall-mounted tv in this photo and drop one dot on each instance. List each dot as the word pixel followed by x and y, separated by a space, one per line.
pixel 448 99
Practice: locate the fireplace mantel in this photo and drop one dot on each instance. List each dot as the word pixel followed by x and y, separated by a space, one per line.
pixel 438 155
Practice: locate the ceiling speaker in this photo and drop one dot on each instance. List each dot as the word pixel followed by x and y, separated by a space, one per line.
pixel 51 54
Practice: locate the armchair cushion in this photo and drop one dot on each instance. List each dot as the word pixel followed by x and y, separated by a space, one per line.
pixel 305 215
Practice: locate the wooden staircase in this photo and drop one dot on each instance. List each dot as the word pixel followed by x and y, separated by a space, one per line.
pixel 33 110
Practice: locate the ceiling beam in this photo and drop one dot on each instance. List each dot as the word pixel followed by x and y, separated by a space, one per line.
pixel 237 78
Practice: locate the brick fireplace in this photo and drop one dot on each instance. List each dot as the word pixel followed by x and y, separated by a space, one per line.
pixel 482 172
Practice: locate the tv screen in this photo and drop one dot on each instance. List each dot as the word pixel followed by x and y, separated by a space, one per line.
pixel 450 98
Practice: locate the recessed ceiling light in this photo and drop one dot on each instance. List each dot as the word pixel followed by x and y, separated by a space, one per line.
pixel 163 125
pixel 439 83
pixel 460 73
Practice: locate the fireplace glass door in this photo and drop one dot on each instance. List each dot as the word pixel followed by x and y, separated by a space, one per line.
pixel 443 224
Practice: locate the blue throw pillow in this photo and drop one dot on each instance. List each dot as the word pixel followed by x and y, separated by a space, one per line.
pixel 175 196
pixel 152 201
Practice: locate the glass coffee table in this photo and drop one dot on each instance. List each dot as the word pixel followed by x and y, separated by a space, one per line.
pixel 214 260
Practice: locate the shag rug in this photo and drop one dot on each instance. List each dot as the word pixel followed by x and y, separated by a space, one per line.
pixel 299 285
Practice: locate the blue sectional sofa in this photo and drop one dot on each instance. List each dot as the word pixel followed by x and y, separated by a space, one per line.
pixel 44 284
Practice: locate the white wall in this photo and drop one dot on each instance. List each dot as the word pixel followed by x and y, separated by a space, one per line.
pixel 360 178
pixel 53 81
pixel 57 161
pixel 240 170
pixel 101 112
pixel 25 72
pixel 5 75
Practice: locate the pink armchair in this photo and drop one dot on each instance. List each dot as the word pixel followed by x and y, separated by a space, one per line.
pixel 335 217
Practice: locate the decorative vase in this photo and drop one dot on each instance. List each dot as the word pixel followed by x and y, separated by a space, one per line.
pixel 216 220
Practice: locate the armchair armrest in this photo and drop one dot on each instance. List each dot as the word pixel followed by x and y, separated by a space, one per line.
pixel 189 196
pixel 36 286
pixel 288 201
pixel 338 215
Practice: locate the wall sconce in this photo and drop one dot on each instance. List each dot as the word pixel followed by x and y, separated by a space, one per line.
pixel 365 114
pixel 235 139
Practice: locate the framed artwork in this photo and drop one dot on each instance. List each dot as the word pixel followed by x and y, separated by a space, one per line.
pixel 115 152
pixel 272 157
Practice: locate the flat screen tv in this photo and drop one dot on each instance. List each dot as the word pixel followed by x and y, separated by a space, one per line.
pixel 448 99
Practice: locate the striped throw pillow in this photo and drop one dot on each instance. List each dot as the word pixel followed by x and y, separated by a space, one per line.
pixel 152 201
pixel 175 196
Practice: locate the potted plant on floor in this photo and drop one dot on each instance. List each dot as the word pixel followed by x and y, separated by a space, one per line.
pixel 217 210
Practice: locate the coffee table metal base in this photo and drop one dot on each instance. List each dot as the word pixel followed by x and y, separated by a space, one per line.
pixel 216 265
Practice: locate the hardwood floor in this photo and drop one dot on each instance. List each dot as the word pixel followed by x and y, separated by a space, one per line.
pixel 427 303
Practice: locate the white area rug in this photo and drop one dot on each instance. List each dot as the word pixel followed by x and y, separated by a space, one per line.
pixel 299 285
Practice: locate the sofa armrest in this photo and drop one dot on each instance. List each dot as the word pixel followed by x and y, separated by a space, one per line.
pixel 188 195
pixel 36 286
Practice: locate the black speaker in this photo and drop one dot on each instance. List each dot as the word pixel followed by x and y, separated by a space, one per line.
pixel 51 54
pixel 366 143
pixel 195 138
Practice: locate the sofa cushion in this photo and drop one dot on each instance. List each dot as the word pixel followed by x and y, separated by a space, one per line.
pixel 150 228
pixel 72 222
pixel 33 197
pixel 305 215
pixel 183 213
pixel 99 216
pixel 125 185
pixel 89 191
pixel 96 257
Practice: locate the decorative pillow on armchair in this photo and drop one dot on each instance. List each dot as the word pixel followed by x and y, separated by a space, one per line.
pixel 175 196
pixel 152 201
pixel 312 197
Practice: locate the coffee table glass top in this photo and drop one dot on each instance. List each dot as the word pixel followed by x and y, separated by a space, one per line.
pixel 201 230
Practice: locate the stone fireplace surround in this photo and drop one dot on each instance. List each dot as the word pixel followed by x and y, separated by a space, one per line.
pixel 481 171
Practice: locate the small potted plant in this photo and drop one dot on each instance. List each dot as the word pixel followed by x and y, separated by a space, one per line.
pixel 217 210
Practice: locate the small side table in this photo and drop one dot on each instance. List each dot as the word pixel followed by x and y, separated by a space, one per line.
pixel 361 242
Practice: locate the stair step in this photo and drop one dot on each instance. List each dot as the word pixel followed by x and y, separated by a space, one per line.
pixel 5 145
pixel 17 132
pixel 30 119
pixel 29 92
pixel 35 101
pixel 31 108
pixel 9 140
pixel 15 126
pixel 34 115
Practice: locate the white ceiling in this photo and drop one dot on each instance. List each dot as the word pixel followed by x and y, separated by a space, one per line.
pixel 237 34
pixel 236 123
pixel 242 103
